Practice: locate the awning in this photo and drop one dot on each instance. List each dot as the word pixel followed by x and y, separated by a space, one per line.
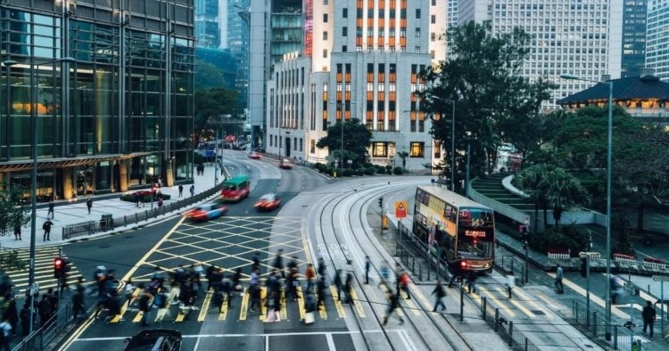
pixel 65 162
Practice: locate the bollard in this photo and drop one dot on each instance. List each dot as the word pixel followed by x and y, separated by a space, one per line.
pixel 510 333
pixel 594 324
pixel 526 344
pixel 146 214
pixel 420 272
pixel 484 303
pixel 615 338
pixel 136 217
pixel 496 318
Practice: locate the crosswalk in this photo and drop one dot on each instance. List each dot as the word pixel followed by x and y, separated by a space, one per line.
pixel 43 270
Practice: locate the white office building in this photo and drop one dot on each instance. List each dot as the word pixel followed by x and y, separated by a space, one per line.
pixel 582 38
pixel 358 62
pixel 657 38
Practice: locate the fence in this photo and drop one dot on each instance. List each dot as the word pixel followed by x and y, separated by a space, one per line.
pixel 505 328
pixel 105 224
pixel 593 324
pixel 41 338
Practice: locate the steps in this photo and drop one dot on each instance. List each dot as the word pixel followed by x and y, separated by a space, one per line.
pixel 492 187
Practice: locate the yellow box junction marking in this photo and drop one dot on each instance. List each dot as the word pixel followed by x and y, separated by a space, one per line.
pixel 205 305
pixel 245 304
pixel 340 308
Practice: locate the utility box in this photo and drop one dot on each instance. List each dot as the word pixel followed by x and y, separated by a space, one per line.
pixel 106 222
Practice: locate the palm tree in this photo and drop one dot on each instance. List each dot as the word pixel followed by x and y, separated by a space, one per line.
pixel 403 155
pixel 531 181
pixel 564 192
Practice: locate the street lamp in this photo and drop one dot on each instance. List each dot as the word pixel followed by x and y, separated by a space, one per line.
pixel 608 195
pixel 33 178
pixel 452 102
pixel 8 64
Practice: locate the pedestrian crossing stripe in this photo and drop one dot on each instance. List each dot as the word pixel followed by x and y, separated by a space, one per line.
pixel 358 305
pixel 43 270
pixel 128 302
pixel 205 305
pixel 499 303
pixel 263 306
pixel 535 306
pixel 183 313
pixel 246 295
pixel 300 303
pixel 284 312
pixel 335 298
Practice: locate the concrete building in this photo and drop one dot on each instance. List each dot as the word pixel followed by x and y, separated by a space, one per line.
pixel 634 37
pixel 580 38
pixel 657 38
pixel 118 117
pixel 207 27
pixel 358 62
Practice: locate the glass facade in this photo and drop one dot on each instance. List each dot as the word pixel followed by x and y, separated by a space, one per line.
pixel 119 115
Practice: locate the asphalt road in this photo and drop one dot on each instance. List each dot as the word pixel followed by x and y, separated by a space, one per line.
pixel 228 242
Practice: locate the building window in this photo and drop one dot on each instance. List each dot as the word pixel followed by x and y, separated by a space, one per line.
pixel 379 150
pixel 325 53
pixel 433 19
pixel 417 32
pixel 344 12
pixel 325 18
pixel 434 2
pixel 344 31
pixel 417 13
pixel 433 36
pixel 344 48
pixel 437 149
pixel 312 146
pixel 325 35
pixel 416 149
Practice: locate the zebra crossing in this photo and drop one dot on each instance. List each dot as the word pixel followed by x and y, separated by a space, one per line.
pixel 43 269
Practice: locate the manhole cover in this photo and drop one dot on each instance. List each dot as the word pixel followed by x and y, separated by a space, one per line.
pixel 541 313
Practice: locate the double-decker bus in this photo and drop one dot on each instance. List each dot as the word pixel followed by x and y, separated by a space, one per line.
pixel 455 228
pixel 236 188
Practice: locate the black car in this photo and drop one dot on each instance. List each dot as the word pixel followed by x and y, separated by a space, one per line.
pixel 154 339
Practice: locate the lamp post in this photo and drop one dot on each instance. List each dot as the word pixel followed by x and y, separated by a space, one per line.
pixel 608 195
pixel 33 178
pixel 8 64
pixel 452 102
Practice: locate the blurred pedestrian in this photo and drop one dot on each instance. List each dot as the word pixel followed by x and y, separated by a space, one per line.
pixel 192 190
pixel 6 336
pixel 278 263
pixel 439 293
pixel 367 267
pixel 89 204
pixel 649 315
pixel 51 212
pixel 181 190
pixel 47 230
pixel 338 283
pixel 145 308
pixel 17 231
pixel 393 303
pixel 559 275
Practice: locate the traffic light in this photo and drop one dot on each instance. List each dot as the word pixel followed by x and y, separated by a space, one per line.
pixel 58 267
pixel 584 267
pixel 381 202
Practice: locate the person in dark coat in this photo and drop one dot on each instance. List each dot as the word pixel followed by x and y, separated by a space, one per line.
pixel 338 283
pixel 649 315
pixel 25 319
pixel 393 304
pixel 321 289
pixel 45 310
pixel 439 293
pixel 47 230
pixel 278 263
pixel 51 212
pixel 17 232
pixel 89 204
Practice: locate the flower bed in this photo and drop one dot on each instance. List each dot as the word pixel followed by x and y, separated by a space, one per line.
pixel 145 196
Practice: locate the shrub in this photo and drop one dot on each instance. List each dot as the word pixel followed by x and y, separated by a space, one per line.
pixel 389 169
pixel 398 170
pixel 348 172
pixel 380 169
pixel 360 171
pixel 370 170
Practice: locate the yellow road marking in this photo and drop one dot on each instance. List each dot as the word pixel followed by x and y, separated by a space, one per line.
pixel 300 303
pixel 117 318
pixel 224 308
pixel 412 306
pixel 162 312
pixel 205 305
pixel 321 309
pixel 263 306
pixel 244 305
pixel 593 298
pixel 527 312
pixel 340 308
pixel 358 305
pixel 499 303
pixel 536 306
pixel 284 313
pixel 183 312
pixel 138 317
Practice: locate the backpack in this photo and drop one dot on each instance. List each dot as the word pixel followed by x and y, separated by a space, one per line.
pixel 44 226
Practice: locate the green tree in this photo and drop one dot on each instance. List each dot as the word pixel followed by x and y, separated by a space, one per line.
pixel 356 139
pixel 564 191
pixel 531 181
pixel 13 211
pixel 208 76
pixel 403 155
pixel 484 79
pixel 210 105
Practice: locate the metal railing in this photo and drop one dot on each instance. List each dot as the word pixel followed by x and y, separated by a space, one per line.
pixel 41 338
pixel 505 328
pixel 93 227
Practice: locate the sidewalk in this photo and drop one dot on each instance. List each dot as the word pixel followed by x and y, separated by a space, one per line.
pixel 73 212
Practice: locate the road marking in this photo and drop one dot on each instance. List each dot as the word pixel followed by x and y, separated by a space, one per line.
pixel 300 302
pixel 205 305
pixel 224 308
pixel 117 318
pixel 499 303
pixel 263 305
pixel 358 305
pixel 244 305
pixel 530 300
pixel 412 306
pixel 527 312
pixel 593 298
pixel 340 308
pixel 284 313
pixel 419 295
pixel 183 313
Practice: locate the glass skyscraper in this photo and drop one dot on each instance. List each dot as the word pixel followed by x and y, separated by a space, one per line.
pixel 119 116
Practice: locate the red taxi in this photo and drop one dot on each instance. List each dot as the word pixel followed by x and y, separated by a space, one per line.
pixel 205 212
pixel 268 202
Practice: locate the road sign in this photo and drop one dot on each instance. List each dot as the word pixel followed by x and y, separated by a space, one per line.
pixel 661 278
pixel 401 209
pixel 34 289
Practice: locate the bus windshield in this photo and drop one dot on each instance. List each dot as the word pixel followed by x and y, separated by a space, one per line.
pixel 476 233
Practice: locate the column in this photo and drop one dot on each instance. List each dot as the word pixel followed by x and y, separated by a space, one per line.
pixel 122 176
pixel 68 191
pixel 169 172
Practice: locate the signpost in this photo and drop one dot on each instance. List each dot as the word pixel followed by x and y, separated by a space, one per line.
pixel 400 212
pixel 662 279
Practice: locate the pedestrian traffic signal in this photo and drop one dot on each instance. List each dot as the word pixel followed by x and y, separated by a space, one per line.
pixel 381 202
pixel 58 267
pixel 584 267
